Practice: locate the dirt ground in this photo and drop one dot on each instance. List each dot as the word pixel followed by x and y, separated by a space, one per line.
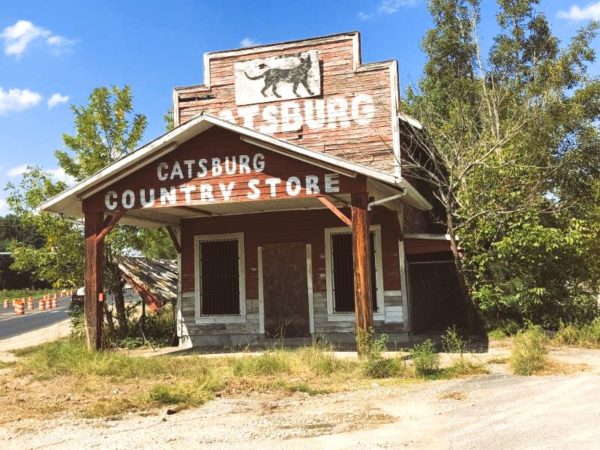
pixel 495 411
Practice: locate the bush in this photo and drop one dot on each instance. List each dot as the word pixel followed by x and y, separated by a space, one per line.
pixel 270 363
pixel 425 358
pixel 77 320
pixel 529 351
pixel 374 365
pixel 158 330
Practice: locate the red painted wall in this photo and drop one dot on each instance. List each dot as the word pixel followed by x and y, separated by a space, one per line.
pixel 289 226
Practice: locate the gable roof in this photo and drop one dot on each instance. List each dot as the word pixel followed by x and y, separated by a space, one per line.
pixel 69 201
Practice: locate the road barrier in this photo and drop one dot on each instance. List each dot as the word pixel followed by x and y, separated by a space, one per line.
pixel 43 303
pixel 30 304
pixel 6 304
pixel 20 307
pixel 55 301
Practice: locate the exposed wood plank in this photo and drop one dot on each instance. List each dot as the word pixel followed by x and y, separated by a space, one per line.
pixel 94 261
pixel 173 236
pixel 194 210
pixel 335 210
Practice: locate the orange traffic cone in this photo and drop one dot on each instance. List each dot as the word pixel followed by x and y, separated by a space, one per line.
pixel 30 304
pixel 55 302
pixel 5 304
pixel 20 307
pixel 43 304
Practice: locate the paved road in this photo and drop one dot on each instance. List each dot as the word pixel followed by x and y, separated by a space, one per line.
pixel 12 325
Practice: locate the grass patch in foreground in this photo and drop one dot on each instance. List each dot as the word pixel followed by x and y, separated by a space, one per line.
pixel 7 364
pixel 71 379
pixel 270 363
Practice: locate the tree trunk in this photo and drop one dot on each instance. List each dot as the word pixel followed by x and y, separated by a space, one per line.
pixel 116 285
pixel 472 316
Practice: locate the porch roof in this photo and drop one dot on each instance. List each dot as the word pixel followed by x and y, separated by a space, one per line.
pixel 69 202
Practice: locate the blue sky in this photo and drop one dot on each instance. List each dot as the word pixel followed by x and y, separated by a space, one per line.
pixel 52 54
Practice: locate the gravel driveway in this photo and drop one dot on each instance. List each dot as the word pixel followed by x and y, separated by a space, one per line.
pixel 496 411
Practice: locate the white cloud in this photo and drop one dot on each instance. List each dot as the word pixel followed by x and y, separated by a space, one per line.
pixel 3 207
pixel 17 171
pixel 57 99
pixel 248 42
pixel 387 7
pixel 59 174
pixel 19 36
pixel 589 12
pixel 18 100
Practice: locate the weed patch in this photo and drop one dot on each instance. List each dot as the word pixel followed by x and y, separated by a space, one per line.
pixel 425 359
pixel 586 336
pixel 528 355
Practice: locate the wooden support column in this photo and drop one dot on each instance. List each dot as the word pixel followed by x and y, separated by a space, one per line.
pixel 363 303
pixel 94 265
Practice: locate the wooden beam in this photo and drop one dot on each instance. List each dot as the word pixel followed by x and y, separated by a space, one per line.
pixel 94 265
pixel 191 209
pixel 363 302
pixel 334 209
pixel 173 236
pixel 109 224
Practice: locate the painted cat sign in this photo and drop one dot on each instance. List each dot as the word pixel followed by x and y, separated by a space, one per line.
pixel 241 177
pixel 277 78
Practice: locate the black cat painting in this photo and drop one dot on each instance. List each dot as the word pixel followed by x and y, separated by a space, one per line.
pixel 296 76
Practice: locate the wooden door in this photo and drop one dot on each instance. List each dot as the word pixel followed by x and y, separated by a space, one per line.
pixel 285 290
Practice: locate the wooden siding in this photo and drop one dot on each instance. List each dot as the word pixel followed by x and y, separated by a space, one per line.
pixel 343 77
pixel 292 226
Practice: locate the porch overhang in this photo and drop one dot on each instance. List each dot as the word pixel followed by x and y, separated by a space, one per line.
pixel 381 185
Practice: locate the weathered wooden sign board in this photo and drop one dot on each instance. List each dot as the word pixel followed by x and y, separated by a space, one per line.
pixel 277 78
pixel 314 93
pixel 217 167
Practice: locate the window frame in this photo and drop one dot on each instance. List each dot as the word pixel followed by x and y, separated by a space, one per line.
pixel 229 318
pixel 349 316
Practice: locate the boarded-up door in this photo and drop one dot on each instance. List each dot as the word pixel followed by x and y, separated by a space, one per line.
pixel 285 290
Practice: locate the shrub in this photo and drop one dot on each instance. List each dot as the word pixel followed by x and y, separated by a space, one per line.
pixel 425 358
pixel 529 351
pixel 157 329
pixel 77 320
pixel 374 365
pixel 270 363
pixel 452 342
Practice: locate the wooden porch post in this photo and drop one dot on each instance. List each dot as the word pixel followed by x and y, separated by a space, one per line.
pixel 94 265
pixel 363 303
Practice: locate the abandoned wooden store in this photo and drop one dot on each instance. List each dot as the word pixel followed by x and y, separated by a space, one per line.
pixel 281 186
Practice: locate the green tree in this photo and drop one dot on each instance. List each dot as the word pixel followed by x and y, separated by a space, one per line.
pixel 106 129
pixel 506 143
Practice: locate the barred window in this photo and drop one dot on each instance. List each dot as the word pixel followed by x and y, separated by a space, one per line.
pixel 342 267
pixel 219 277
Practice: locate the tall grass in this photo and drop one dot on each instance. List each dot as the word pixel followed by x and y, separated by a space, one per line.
pixel 70 357
pixel 587 336
pixel 529 352
pixel 270 363
pixel 320 359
